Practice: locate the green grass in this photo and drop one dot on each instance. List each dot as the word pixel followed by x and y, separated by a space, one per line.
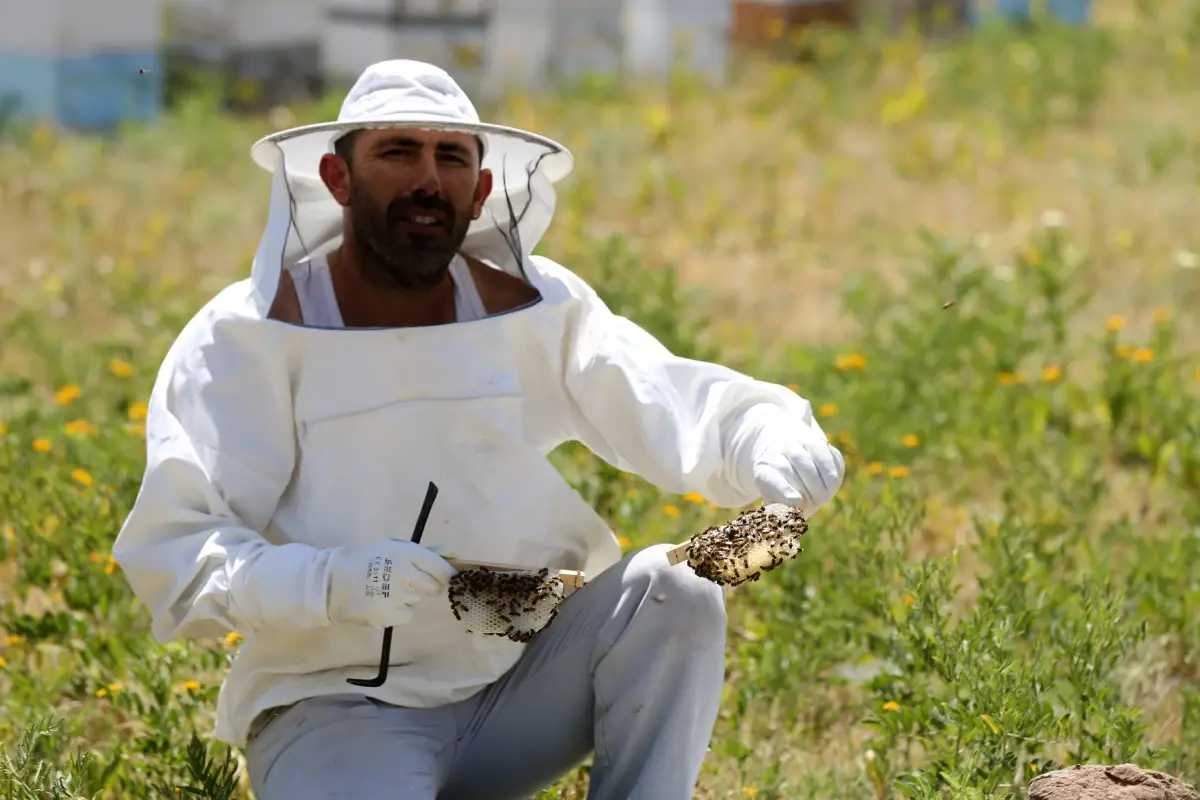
pixel 979 263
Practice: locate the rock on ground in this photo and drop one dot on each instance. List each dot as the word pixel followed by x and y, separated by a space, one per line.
pixel 1120 782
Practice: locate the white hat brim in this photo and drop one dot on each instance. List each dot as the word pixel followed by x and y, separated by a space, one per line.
pixel 303 146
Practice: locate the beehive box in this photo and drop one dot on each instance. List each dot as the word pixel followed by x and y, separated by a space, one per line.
pixel 81 64
pixel 757 22
pixel 492 46
pixel 274 52
pixel 448 33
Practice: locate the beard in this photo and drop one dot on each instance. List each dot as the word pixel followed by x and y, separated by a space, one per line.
pixel 399 253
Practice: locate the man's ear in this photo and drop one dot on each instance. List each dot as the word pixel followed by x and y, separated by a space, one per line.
pixel 335 172
pixel 483 190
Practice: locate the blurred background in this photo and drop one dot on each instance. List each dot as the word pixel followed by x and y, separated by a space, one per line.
pixel 966 231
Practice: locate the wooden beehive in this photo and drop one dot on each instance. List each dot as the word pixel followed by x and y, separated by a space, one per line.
pixel 758 22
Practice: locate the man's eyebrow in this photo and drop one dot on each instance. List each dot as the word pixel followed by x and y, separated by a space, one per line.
pixel 408 141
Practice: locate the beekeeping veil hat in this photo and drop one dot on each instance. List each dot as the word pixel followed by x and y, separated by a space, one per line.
pixel 304 220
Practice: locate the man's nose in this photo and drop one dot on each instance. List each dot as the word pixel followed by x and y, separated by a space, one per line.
pixel 427 179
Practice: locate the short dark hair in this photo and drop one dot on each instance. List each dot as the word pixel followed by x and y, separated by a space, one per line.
pixel 344 147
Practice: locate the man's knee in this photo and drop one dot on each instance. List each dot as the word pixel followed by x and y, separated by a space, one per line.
pixel 682 599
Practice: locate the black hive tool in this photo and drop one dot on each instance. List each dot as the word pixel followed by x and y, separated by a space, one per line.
pixel 386 655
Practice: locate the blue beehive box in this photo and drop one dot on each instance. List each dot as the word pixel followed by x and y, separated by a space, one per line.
pixel 1071 12
pixel 81 64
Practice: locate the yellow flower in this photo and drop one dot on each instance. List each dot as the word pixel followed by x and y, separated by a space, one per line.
pixel 828 410
pixel 44 136
pixel 1161 315
pixel 110 566
pixel 101 692
pixel 1051 373
pixel 14 640
pixel 671 511
pixel 875 468
pixel 694 497
pixel 911 440
pixel 190 686
pixel 891 705
pixel 95 558
pixel 658 119
pixel 81 427
pixel 233 638
pixel 3 663
pixel 749 791
pixel 42 445
pixel 67 393
pixel 81 477
pixel 989 722
pixel 623 541
pixel 1123 351
pixel 115 687
pixel 850 361
pixel 3 429
pixel 1011 378
pixel 1143 355
pixel 898 472
pixel 908 600
pixel 120 368
pixel 137 411
pixel 1115 323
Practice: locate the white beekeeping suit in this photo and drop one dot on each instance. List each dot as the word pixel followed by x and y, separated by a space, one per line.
pixel 273 448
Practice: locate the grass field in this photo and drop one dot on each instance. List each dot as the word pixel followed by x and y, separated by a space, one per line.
pixel 979 260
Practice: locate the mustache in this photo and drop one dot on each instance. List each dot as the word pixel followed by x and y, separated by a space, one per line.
pixel 404 206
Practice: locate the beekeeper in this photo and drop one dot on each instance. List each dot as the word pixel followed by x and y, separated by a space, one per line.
pixel 395 331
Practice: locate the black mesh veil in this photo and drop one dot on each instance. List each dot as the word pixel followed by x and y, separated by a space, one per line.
pixel 304 220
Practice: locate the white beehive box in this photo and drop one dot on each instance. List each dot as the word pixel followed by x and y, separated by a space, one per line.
pixel 271 24
pixel 274 51
pixel 533 43
pixel 80 63
pixel 663 34
pixel 490 46
pixel 448 33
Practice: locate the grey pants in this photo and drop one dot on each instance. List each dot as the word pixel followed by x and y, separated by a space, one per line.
pixel 630 671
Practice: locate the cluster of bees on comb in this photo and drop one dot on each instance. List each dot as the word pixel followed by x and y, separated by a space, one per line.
pixel 757 541
pixel 516 605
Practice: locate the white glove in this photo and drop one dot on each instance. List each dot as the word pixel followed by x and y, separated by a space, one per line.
pixel 378 584
pixel 797 466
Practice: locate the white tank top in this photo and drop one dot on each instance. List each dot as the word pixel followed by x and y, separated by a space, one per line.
pixel 318 302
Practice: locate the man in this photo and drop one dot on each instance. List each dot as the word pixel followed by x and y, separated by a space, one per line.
pixel 395 332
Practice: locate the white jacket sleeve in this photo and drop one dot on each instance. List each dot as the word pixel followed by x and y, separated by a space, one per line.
pixel 683 425
pixel 220 453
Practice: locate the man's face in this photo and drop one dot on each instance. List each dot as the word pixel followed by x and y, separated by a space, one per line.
pixel 411 196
